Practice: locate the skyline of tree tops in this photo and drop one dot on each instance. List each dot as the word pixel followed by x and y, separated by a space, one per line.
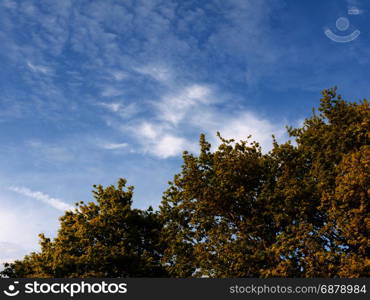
pixel 300 210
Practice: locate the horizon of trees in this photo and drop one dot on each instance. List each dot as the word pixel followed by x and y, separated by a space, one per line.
pixel 300 210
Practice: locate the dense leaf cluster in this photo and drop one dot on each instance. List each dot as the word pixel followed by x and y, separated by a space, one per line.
pixel 300 210
pixel 106 238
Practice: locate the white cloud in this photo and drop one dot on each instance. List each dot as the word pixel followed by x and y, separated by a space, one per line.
pixel 168 146
pixel 160 139
pixel 115 107
pixel 237 125
pixel 38 68
pixel 20 223
pixel 242 125
pixel 119 75
pixel 124 111
pixel 148 130
pixel 111 92
pixel 174 107
pixel 112 146
pixel 179 118
pixel 157 72
pixel 53 202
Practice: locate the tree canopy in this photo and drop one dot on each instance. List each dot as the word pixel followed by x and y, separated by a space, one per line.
pixel 300 210
pixel 106 238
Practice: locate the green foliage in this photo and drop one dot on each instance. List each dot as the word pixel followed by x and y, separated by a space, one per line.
pixel 103 239
pixel 332 147
pixel 300 210
pixel 215 225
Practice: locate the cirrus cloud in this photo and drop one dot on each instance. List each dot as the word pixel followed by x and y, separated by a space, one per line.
pixel 53 202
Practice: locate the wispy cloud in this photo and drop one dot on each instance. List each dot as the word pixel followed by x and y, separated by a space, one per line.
pixel 185 111
pixel 121 109
pixel 240 125
pixel 53 202
pixel 111 92
pixel 158 139
pixel 174 107
pixel 114 107
pixel 38 68
pixel 156 71
pixel 118 75
pixel 168 146
pixel 113 146
pixel 21 222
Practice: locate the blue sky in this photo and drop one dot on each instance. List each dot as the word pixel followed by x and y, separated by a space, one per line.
pixel 96 90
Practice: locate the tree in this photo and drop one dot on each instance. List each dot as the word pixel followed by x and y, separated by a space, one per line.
pixel 103 239
pixel 215 225
pixel 298 211
pixel 350 212
pixel 332 147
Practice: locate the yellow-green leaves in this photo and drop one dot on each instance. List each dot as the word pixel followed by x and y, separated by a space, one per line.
pixel 301 210
pixel 298 211
pixel 103 239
